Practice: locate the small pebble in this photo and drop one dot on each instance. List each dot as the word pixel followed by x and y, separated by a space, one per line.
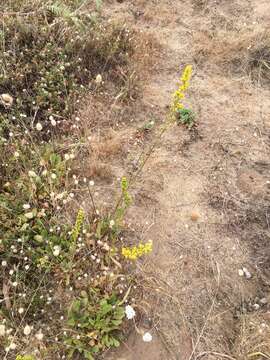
pixel 247 273
pixel 194 216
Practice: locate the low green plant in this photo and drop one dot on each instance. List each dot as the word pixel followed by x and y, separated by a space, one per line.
pixel 148 125
pixel 186 117
pixel 97 319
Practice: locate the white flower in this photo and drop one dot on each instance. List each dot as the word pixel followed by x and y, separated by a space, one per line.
pixel 31 173
pixel 16 154
pixel 21 310
pixel 38 238
pixel 91 183
pixel 26 206
pixel 15 284
pixel 39 127
pixel 147 337
pixel 2 330
pixel 27 330
pixel 4 263
pixel 130 312
pixel 112 223
pixel 6 99
pixel 53 176
pixel 29 215
pixel 12 346
pixel 53 122
pixel 241 272
pixel 67 157
pixel 56 250
pixel 98 79
pixel 39 336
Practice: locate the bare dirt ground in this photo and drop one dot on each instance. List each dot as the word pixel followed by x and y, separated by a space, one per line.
pixel 203 196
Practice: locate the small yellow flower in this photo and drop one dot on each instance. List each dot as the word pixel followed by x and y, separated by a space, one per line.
pixel 179 94
pixel 135 252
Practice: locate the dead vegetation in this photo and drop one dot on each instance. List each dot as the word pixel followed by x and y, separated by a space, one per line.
pixel 247 54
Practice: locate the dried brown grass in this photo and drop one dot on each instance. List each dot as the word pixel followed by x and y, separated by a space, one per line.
pixel 253 340
pixel 246 53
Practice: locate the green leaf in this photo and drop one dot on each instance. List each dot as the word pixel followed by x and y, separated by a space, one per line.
pixel 76 305
pixel 55 159
pixel 95 349
pixel 116 343
pixel 88 355
pixel 116 322
pixel 105 309
pixel 98 5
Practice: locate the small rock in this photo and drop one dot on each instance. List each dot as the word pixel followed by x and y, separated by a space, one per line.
pixel 263 301
pixel 247 273
pixel 194 216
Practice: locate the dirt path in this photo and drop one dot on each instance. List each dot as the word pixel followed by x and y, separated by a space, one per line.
pixel 196 183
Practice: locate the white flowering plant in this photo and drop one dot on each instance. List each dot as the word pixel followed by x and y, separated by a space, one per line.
pixel 47 256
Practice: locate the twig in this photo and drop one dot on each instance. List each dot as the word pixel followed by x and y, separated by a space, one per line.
pixel 214 353
pixel 92 199
pixel 207 317
pixel 259 353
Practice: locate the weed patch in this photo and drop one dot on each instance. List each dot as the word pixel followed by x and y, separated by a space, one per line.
pixel 49 57
pixel 64 280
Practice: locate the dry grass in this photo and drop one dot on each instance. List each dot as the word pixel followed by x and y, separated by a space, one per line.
pixel 253 340
pixel 248 53
pixel 107 146
pixel 99 170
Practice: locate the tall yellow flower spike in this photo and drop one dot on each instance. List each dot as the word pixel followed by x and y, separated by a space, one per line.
pixel 179 94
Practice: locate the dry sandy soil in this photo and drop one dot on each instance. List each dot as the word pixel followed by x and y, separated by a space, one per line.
pixel 203 195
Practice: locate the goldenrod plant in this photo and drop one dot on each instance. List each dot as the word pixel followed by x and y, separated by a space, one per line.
pixel 179 94
pixel 135 252
pixel 78 225
pixel 179 112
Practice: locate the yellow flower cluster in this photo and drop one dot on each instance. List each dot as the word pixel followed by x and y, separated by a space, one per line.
pixel 133 253
pixel 77 227
pixel 179 94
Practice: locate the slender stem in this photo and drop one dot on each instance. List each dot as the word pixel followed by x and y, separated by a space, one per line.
pixel 92 199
